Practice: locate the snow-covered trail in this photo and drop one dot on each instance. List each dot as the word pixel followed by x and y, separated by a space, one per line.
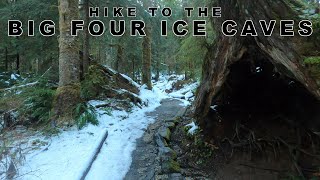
pixel 115 157
pixel 114 160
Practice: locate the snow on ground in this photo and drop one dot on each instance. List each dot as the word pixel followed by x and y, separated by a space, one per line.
pixel 14 76
pixel 185 94
pixel 8 79
pixel 67 155
pixel 193 128
pixel 130 80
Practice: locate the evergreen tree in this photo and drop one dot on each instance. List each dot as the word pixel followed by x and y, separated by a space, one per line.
pixel 68 93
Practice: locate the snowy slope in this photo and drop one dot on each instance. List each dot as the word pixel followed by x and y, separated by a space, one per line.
pixel 67 155
pixel 115 158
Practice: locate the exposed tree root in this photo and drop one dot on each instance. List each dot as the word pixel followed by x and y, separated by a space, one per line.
pixel 249 140
pixel 263 168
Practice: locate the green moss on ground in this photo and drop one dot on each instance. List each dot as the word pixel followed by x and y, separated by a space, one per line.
pixel 171 166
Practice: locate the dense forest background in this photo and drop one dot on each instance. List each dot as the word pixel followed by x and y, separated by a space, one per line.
pixel 35 55
pixel 227 95
pixel 171 54
pixel 33 58
pixel 34 61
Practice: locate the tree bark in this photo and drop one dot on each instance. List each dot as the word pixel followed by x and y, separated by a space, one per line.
pixel 133 69
pixel 146 64
pixel 68 45
pixel 157 69
pixel 186 77
pixel 86 38
pixel 228 50
pixel 120 61
pixel 6 58
pixel 18 63
pixel 146 53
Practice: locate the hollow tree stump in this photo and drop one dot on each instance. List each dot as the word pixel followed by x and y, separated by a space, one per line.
pixel 229 50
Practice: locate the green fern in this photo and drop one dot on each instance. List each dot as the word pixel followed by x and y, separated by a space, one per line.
pixel 84 114
pixel 107 110
pixel 38 104
pixel 312 60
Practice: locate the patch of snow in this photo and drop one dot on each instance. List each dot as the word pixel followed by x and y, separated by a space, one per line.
pixel 214 107
pixel 188 95
pixel 112 70
pixel 184 103
pixel 185 94
pixel 66 157
pixel 21 86
pixel 258 69
pixel 309 11
pixel 121 91
pixel 130 80
pixel 18 92
pixel 291 82
pixel 176 95
pixel 14 76
pixel 193 128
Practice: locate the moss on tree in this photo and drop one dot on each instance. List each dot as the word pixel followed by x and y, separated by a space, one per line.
pixel 64 103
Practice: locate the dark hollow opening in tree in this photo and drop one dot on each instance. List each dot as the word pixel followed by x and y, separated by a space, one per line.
pixel 254 91
pixel 257 106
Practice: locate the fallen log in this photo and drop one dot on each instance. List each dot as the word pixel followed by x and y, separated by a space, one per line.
pixel 20 86
pixel 94 155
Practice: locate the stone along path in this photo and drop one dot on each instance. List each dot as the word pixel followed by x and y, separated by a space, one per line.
pixel 152 158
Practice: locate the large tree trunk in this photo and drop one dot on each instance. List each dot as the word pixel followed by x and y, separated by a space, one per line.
pixel 86 38
pixel 120 62
pixel 68 93
pixel 6 58
pixel 157 67
pixel 146 52
pixel 133 69
pixel 68 45
pixel 146 58
pixel 228 51
pixel 18 63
